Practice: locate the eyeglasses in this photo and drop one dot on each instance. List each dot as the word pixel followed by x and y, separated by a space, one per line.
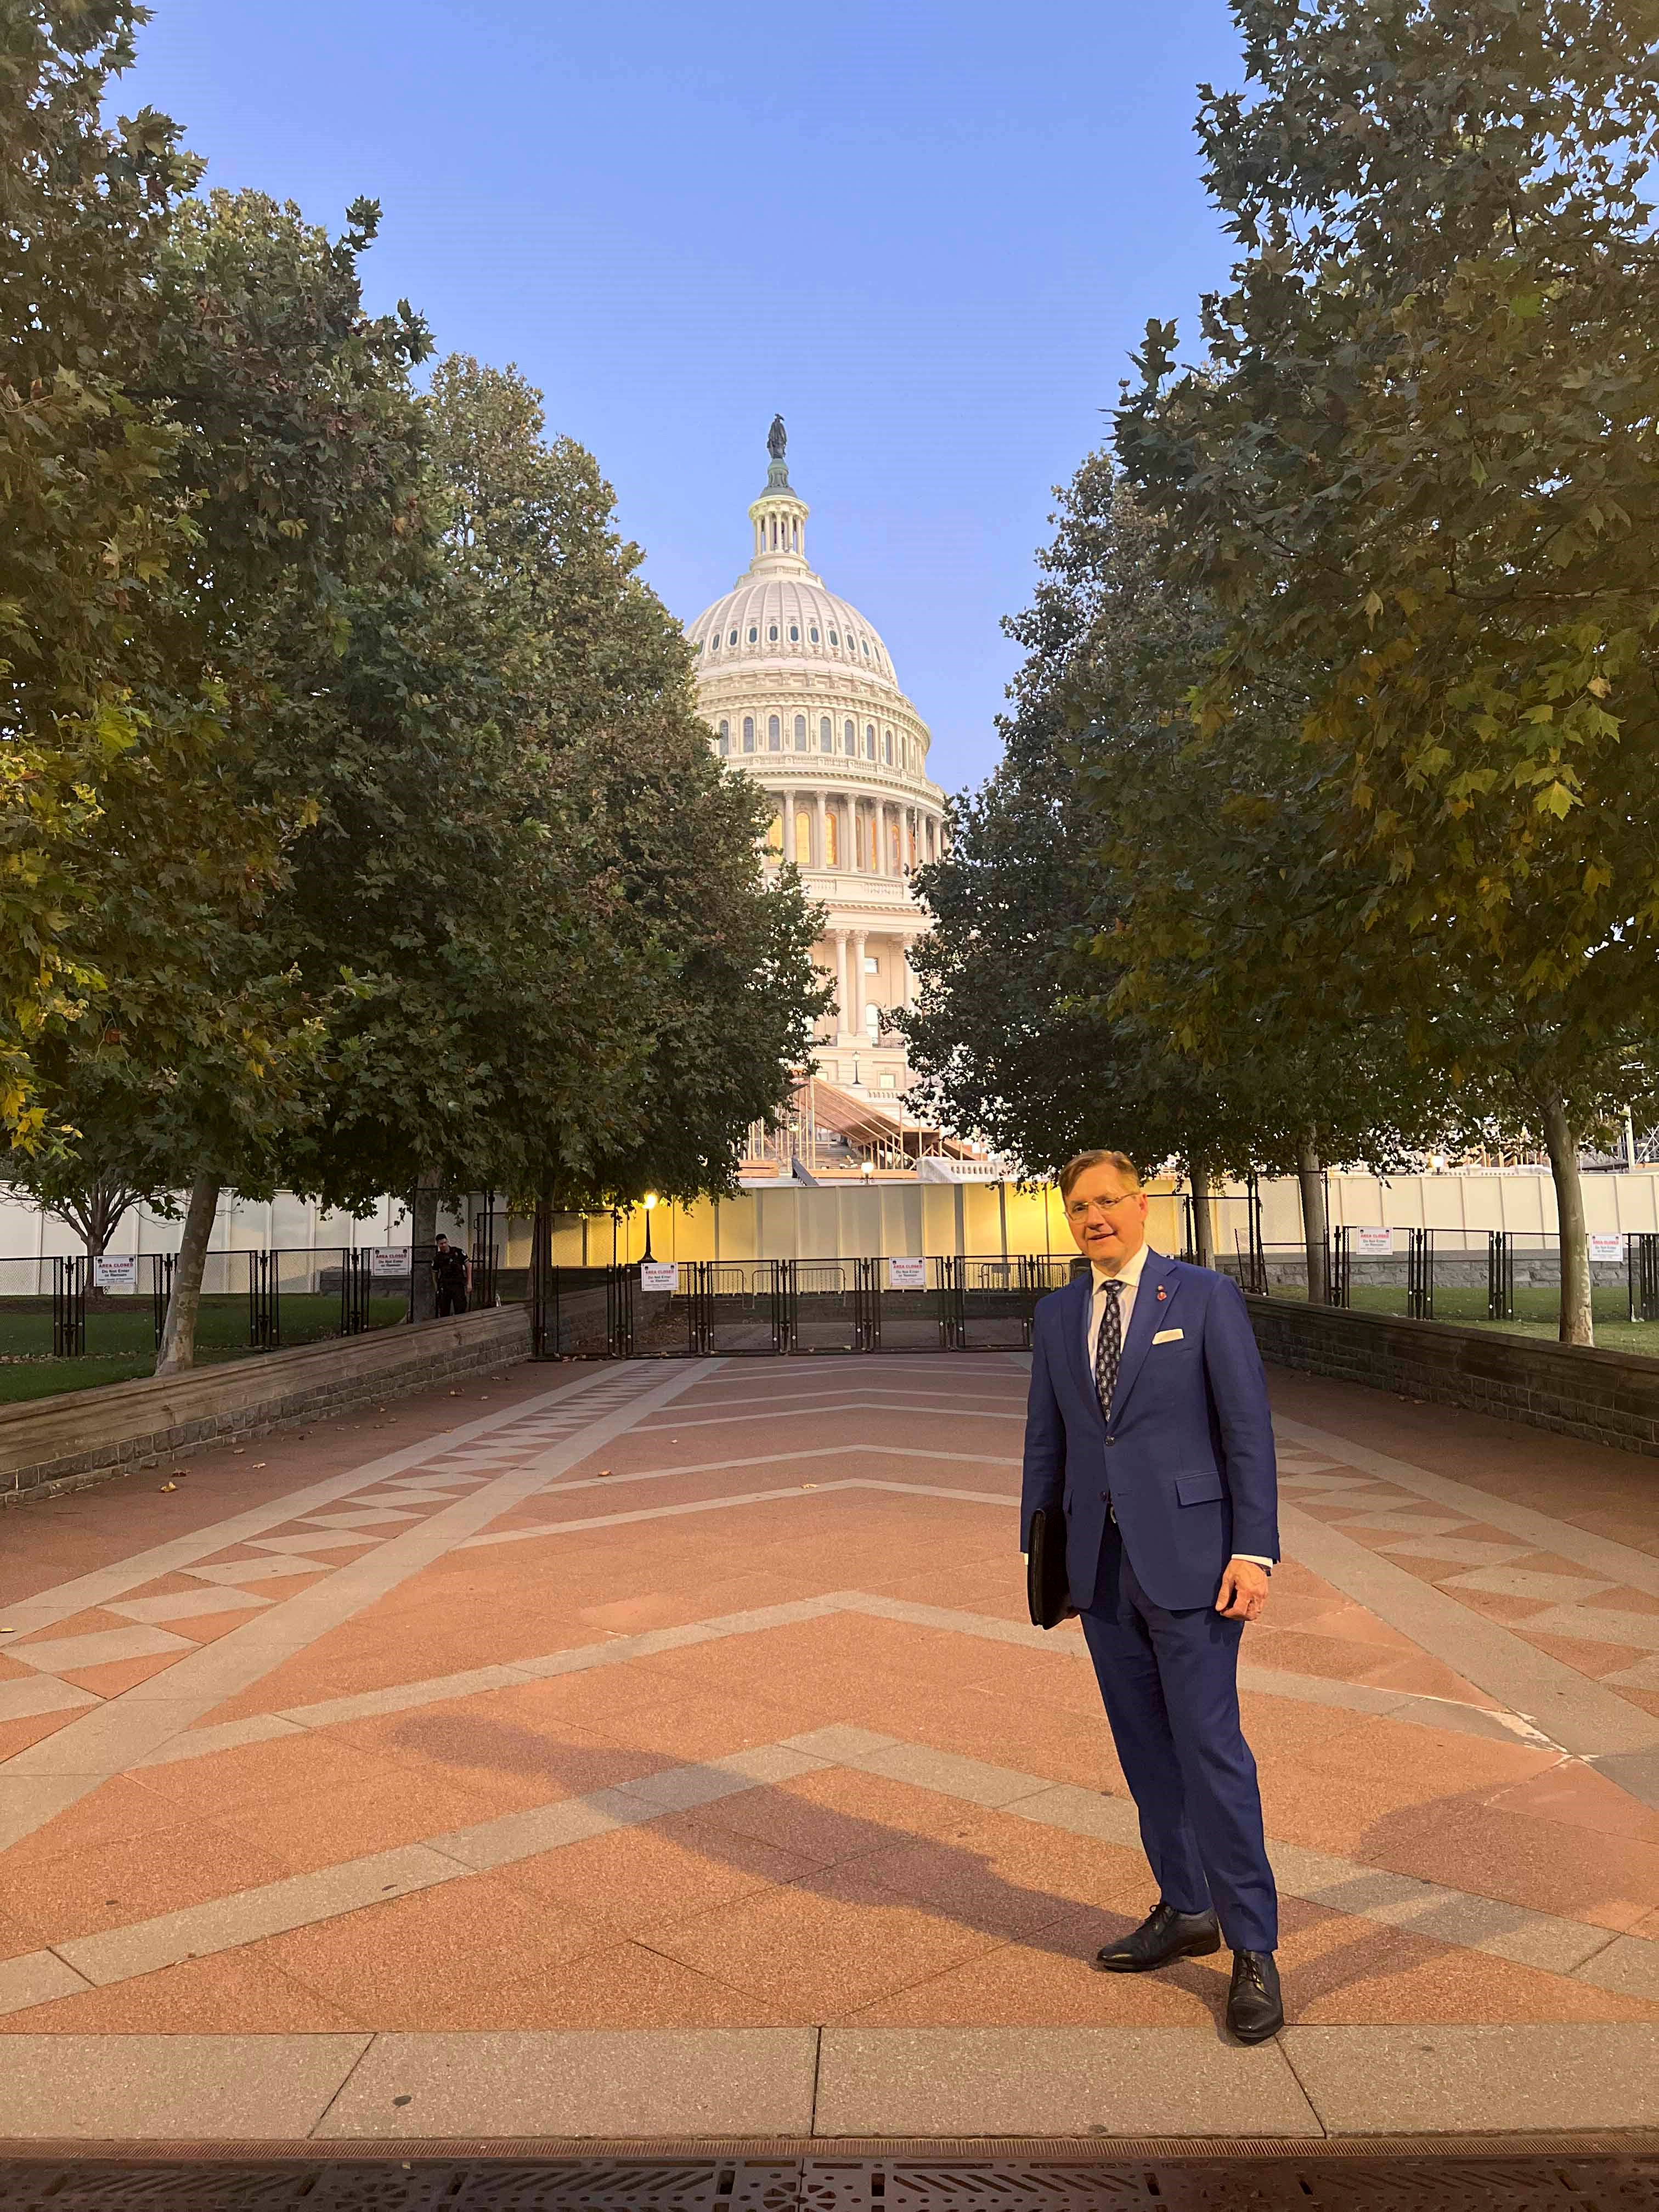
pixel 1079 1209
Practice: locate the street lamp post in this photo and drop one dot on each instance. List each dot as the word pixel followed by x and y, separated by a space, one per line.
pixel 650 1208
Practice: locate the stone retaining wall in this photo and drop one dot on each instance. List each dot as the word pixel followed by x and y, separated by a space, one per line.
pixel 80 1437
pixel 1605 1397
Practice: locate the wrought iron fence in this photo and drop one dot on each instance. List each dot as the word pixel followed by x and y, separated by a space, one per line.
pixel 1470 1275
pixel 64 1307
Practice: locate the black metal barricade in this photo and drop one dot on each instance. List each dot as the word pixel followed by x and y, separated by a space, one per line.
pixel 161 1266
pixel 69 1307
pixel 661 1324
pixel 486 1260
pixel 992 1302
pixel 1642 1271
pixel 738 1307
pixel 578 1320
pixel 828 1305
pixel 912 1317
pixel 1419 1274
pixel 1338 1269
pixel 355 1275
pixel 1500 1276
pixel 265 1303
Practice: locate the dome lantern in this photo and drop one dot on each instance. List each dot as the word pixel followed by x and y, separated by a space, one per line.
pixel 779 517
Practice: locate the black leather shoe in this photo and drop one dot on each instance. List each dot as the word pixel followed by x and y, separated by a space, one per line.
pixel 1163 1934
pixel 1255 2008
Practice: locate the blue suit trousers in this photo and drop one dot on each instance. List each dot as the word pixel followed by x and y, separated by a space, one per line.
pixel 1169 1684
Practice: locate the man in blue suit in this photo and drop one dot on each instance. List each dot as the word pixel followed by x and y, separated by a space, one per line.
pixel 1149 1428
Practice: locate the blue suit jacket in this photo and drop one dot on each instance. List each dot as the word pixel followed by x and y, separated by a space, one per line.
pixel 1186 1460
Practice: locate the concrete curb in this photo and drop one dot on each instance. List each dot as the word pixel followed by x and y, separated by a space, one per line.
pixel 1315 2086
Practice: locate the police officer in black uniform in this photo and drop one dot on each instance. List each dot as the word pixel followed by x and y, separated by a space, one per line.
pixel 451 1278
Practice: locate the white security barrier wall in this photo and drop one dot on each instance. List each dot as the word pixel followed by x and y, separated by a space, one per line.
pixel 899 1214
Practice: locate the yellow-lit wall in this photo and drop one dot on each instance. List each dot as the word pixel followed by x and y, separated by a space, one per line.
pixel 870 1222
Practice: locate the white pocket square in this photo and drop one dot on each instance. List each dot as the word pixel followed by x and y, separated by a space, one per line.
pixel 1169 1336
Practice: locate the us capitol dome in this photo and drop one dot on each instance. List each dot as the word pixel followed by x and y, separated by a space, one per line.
pixel 801 693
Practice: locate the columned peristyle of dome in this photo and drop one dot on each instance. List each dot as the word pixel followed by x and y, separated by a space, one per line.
pixel 799 692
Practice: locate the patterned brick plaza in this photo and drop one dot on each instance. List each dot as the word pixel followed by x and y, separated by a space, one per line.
pixel 661 1750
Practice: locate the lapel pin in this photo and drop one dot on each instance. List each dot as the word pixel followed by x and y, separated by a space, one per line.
pixel 1162 1294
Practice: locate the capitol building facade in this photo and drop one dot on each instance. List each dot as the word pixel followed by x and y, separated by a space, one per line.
pixel 799 692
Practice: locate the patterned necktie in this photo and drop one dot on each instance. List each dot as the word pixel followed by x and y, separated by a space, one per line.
pixel 1108 1348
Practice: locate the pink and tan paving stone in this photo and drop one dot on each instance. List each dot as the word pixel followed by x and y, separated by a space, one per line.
pixel 696 1698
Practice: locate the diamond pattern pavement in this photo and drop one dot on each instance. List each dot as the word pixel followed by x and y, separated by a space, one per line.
pixel 697 1699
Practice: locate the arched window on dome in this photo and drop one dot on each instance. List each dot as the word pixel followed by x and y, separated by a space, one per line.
pixel 712 644
pixel 749 733
pixel 869 741
pixel 831 838
pixel 865 642
pixel 826 735
pixel 887 747
pixel 795 535
pixel 848 738
pixel 726 739
pixel 794 633
pixel 800 733
pixel 774 533
pixel 754 634
pixel 774 735
pixel 812 635
pixel 772 634
pixel 834 640
pixel 803 839
pixel 733 639
pixel 775 834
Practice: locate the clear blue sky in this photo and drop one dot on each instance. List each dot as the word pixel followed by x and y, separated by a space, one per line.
pixel 929 233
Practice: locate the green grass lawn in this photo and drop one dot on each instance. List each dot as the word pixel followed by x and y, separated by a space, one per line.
pixel 121 1337
pixel 1536 1311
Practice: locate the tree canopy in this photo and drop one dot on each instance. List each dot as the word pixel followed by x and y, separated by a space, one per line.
pixel 357 828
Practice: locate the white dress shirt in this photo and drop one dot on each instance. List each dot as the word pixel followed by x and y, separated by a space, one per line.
pixel 1129 1275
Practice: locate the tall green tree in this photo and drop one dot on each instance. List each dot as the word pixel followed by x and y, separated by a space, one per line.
pixel 297 455
pixel 1418 456
pixel 115 732
pixel 1115 923
pixel 1013 1031
pixel 567 974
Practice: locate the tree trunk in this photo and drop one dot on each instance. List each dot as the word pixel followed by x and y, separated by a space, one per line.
pixel 1310 1174
pixel 422 1233
pixel 179 1331
pixel 1577 1324
pixel 1203 1229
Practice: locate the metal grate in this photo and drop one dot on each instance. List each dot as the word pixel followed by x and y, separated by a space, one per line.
pixel 1299 2184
